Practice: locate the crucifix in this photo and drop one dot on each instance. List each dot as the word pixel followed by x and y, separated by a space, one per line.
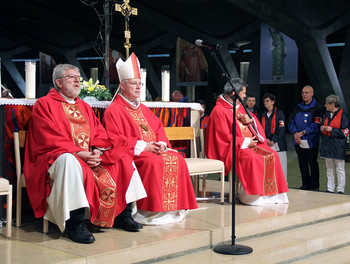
pixel 126 11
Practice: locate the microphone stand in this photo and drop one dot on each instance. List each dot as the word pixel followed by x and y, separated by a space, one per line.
pixel 233 249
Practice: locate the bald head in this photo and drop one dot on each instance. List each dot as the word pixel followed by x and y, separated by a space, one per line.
pixel 177 96
pixel 307 93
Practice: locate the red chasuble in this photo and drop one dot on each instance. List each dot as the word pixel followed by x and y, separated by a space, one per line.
pixel 57 127
pixel 259 168
pixel 165 177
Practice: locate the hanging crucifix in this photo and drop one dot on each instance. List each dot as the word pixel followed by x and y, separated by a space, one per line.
pixel 126 11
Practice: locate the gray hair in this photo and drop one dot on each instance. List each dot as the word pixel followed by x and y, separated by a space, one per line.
pixel 59 71
pixel 309 86
pixel 238 84
pixel 333 99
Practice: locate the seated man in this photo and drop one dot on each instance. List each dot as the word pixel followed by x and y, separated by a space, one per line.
pixel 257 165
pixel 71 165
pixel 164 173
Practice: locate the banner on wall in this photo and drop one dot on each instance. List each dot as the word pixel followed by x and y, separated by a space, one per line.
pixel 191 65
pixel 278 57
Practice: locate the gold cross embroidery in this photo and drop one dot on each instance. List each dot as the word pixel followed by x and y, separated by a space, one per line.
pixel 169 182
pixel 168 201
pixel 73 112
pixel 170 163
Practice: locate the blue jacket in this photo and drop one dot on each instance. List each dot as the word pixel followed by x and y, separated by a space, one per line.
pixel 308 118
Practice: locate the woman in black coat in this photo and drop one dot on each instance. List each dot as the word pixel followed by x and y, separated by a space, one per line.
pixel 335 130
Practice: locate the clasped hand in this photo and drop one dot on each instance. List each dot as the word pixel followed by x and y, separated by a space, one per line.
pixel 326 128
pixel 91 158
pixel 155 147
pixel 298 136
pixel 269 142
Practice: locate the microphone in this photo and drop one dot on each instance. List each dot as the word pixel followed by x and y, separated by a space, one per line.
pixel 201 43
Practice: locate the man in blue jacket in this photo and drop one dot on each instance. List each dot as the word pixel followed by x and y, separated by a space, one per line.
pixel 304 123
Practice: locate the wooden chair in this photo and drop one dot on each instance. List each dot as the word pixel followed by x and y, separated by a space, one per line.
pixel 19 139
pixel 6 189
pixel 197 166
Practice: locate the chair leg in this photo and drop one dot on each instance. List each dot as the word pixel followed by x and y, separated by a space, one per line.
pixel 222 197
pixel 237 185
pixel 9 213
pixel 45 226
pixel 196 185
pixel 19 205
pixel 230 183
pixel 204 185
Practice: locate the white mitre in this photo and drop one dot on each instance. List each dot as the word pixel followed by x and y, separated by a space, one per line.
pixel 129 69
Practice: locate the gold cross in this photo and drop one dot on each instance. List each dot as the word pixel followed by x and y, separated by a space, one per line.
pixel 126 11
pixel 170 163
pixel 169 201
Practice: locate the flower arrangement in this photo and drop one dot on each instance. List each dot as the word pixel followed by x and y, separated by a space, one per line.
pixel 100 92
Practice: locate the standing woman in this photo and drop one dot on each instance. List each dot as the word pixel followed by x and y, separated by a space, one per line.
pixel 273 122
pixel 334 133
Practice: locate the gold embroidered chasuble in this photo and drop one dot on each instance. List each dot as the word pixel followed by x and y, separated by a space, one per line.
pixel 170 161
pixel 270 184
pixel 105 183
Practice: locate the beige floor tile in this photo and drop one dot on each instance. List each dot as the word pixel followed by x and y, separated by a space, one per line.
pixel 203 228
pixel 13 252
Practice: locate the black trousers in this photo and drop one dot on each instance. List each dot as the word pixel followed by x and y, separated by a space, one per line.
pixel 126 212
pixel 308 165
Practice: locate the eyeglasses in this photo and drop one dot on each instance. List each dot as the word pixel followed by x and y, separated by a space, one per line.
pixel 267 100
pixel 73 77
pixel 134 83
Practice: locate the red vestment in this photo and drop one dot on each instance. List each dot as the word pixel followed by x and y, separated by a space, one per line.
pixel 165 177
pixel 57 127
pixel 259 168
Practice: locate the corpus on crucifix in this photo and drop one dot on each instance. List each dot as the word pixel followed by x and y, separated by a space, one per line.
pixel 126 11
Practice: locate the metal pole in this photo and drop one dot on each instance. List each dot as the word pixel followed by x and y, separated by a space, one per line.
pixel 0 80
pixel 107 15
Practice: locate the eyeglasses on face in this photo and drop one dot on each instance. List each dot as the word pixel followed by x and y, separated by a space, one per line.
pixel 73 77
pixel 134 83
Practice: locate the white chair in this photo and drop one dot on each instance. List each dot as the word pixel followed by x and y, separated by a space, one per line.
pixel 19 139
pixel 202 142
pixel 197 166
pixel 6 189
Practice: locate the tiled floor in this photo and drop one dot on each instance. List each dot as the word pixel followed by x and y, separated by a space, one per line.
pixel 203 228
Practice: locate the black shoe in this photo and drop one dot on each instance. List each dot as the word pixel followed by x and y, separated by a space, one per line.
pixel 127 224
pixel 329 191
pixel 304 188
pixel 340 193
pixel 80 234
